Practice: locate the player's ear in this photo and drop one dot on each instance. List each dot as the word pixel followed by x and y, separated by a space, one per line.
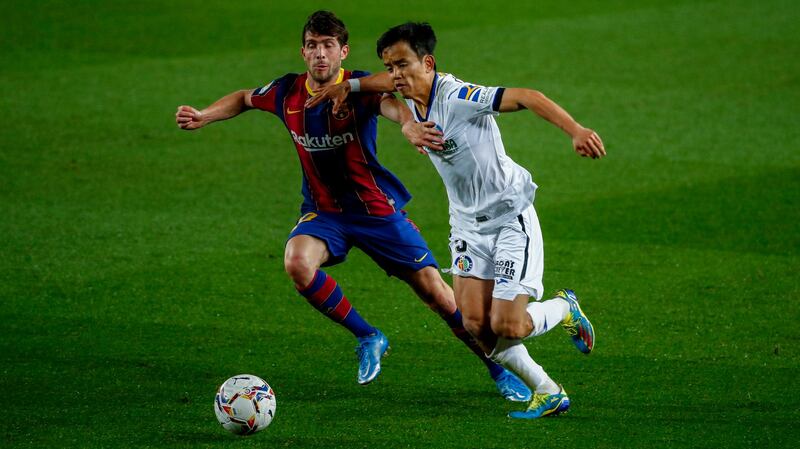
pixel 429 62
pixel 345 51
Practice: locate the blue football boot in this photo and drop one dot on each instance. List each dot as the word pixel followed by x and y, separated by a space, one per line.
pixel 544 404
pixel 576 323
pixel 369 351
pixel 512 387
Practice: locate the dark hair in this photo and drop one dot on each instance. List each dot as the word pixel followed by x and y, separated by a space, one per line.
pixel 325 23
pixel 419 36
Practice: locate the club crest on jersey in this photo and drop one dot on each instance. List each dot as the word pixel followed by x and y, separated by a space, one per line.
pixel 464 263
pixel 343 113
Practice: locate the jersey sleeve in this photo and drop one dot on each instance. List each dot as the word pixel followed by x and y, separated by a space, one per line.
pixel 469 101
pixel 359 74
pixel 270 97
pixel 264 97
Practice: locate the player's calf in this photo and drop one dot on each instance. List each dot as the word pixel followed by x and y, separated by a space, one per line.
pixel 511 327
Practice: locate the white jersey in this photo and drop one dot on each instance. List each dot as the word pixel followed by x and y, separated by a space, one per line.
pixel 485 187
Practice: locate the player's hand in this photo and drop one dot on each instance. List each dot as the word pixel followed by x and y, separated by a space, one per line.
pixel 588 144
pixel 189 118
pixel 423 134
pixel 337 93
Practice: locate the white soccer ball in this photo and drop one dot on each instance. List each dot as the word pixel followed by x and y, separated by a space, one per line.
pixel 245 404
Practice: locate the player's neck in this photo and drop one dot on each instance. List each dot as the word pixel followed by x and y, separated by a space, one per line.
pixel 421 103
pixel 314 85
pixel 422 97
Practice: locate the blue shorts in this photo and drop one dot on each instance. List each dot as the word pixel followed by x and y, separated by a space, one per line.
pixel 393 242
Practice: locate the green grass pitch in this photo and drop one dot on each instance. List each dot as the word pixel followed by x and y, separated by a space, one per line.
pixel 142 265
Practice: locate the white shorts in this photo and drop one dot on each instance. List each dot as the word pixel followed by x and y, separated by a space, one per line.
pixel 512 256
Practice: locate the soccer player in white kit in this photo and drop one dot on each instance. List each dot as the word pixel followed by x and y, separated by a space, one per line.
pixel 495 242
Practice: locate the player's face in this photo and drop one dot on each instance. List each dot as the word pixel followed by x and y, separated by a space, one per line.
pixel 323 56
pixel 411 74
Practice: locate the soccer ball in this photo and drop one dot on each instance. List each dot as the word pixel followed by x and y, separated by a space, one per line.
pixel 245 404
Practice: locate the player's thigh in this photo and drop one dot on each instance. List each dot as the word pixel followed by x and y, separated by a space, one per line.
pixel 519 258
pixel 316 240
pixel 471 254
pixel 394 243
pixel 474 298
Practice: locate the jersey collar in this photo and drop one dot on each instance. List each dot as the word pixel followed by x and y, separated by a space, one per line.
pixel 338 80
pixel 430 99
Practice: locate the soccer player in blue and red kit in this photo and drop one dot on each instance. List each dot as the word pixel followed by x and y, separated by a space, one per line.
pixel 350 199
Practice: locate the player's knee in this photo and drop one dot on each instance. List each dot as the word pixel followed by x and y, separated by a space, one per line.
pixel 300 268
pixel 509 327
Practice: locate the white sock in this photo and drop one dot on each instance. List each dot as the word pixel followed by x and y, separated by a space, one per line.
pixel 547 315
pixel 514 355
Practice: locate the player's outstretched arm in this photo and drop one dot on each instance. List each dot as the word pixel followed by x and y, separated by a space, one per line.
pixel 585 141
pixel 378 82
pixel 419 134
pixel 229 106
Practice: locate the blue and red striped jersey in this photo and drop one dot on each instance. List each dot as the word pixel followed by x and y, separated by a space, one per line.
pixel 338 154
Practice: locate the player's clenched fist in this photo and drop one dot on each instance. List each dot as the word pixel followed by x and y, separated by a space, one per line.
pixel 189 118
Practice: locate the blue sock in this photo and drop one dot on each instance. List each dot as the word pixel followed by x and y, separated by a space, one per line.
pixel 325 295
